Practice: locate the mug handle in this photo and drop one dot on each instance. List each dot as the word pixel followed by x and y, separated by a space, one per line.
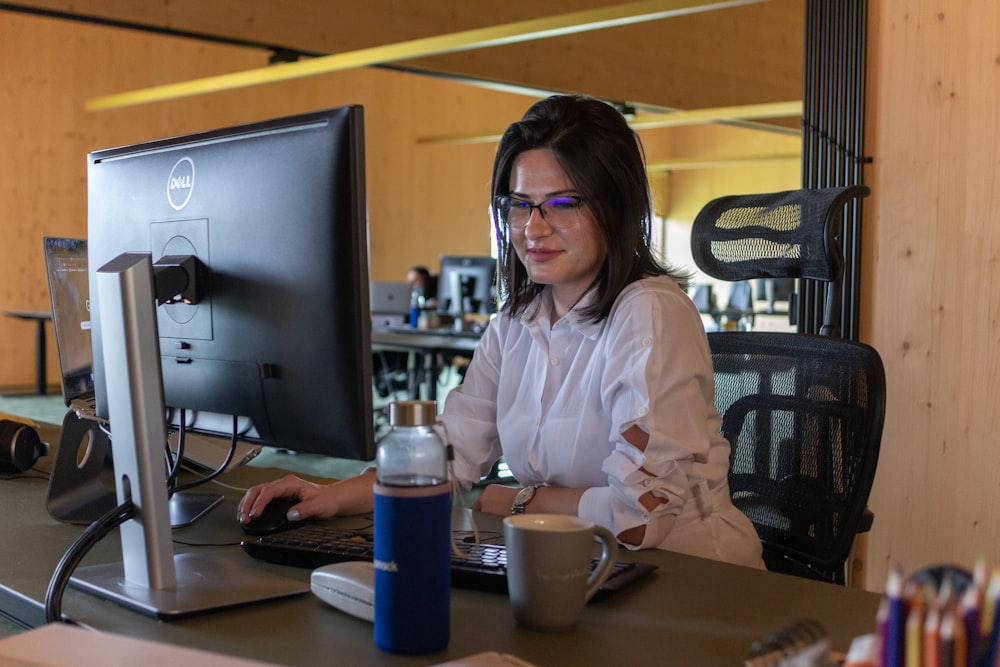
pixel 609 548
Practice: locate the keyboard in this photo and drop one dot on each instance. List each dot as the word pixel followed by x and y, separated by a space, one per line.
pixel 481 567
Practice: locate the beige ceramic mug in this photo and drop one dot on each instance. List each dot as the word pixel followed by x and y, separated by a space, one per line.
pixel 548 567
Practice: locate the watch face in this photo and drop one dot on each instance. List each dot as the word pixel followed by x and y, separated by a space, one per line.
pixel 524 495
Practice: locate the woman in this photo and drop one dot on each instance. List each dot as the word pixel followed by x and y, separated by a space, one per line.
pixel 595 381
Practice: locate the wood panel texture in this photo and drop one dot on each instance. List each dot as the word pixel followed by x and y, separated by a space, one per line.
pixel 930 305
pixel 425 199
pixel 740 55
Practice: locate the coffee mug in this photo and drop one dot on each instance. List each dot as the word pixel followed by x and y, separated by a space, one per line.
pixel 548 567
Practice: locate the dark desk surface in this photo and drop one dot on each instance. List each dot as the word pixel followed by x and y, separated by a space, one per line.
pixel 690 612
pixel 428 340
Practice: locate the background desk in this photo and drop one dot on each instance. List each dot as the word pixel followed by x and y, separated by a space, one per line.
pixel 691 612
pixel 40 317
pixel 425 348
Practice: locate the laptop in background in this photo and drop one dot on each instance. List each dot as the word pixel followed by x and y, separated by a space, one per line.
pixel 69 293
pixel 389 303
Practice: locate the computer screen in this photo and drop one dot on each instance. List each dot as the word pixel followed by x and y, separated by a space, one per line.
pixel 467 284
pixel 275 212
pixel 69 295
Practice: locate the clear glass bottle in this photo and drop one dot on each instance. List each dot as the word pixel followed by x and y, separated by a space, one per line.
pixel 412 533
pixel 411 453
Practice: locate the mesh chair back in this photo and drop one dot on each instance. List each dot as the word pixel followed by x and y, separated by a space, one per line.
pixel 804 417
pixel 790 234
pixel 776 235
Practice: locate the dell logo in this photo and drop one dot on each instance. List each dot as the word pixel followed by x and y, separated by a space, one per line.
pixel 180 184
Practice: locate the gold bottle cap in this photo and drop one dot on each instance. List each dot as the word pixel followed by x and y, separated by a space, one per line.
pixel 412 413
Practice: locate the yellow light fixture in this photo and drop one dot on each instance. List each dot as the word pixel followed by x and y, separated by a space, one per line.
pixel 511 33
pixel 719 162
pixel 700 116
pixel 648 121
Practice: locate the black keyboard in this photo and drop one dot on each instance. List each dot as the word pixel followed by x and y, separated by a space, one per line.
pixel 481 567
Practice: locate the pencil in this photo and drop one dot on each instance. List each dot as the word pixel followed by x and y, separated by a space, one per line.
pixel 915 629
pixel 932 629
pixel 894 626
pixel 970 607
pixel 993 633
pixel 946 639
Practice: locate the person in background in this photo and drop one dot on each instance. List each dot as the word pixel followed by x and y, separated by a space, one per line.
pixel 595 381
pixel 420 278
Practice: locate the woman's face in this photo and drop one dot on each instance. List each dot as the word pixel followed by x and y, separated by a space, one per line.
pixel 566 257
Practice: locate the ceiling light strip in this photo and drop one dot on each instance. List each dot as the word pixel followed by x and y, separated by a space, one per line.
pixel 700 116
pixel 511 33
pixel 716 163
pixel 657 121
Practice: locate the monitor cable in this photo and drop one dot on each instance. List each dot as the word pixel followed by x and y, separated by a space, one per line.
pixel 176 458
pixel 233 441
pixel 94 533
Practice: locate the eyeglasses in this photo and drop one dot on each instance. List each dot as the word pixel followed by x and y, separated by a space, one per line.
pixel 558 212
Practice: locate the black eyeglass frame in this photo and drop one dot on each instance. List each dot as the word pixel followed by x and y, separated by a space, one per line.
pixel 502 206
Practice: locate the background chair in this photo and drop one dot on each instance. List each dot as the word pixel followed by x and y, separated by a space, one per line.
pixel 803 412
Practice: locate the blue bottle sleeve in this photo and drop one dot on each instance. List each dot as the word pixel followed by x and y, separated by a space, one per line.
pixel 412 568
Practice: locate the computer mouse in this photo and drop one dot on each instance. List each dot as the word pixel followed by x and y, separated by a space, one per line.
pixel 272 519
pixel 348 586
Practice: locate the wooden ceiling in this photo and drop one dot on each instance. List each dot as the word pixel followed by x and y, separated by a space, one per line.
pixel 740 55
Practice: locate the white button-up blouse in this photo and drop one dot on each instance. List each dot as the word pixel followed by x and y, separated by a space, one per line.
pixel 553 398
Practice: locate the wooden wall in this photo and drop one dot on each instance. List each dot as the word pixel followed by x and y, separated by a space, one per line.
pixel 932 255
pixel 424 199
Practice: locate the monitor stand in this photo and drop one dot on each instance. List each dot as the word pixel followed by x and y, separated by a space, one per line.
pixel 151 579
pixel 203 583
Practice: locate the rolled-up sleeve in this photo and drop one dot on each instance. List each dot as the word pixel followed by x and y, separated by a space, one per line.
pixel 655 379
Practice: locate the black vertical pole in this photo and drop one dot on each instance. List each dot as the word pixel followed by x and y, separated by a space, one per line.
pixel 833 139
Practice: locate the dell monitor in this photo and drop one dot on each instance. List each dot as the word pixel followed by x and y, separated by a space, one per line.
pixel 275 214
pixel 229 283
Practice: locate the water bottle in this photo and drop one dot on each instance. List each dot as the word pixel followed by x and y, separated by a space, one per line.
pixel 412 533
pixel 416 306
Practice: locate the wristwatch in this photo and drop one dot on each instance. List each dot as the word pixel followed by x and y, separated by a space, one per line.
pixel 522 498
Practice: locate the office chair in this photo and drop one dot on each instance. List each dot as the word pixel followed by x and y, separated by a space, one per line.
pixel 802 412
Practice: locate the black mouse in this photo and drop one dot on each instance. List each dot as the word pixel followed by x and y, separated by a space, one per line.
pixel 272 519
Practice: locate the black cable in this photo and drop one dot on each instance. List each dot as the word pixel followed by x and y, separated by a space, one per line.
pixel 94 533
pixel 234 439
pixel 174 459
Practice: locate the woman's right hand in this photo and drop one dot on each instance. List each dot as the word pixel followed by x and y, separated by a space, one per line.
pixel 350 496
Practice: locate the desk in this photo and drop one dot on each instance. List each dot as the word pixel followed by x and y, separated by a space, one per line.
pixel 425 344
pixel 691 612
pixel 40 317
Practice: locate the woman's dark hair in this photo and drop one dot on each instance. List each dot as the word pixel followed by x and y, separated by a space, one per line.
pixel 603 159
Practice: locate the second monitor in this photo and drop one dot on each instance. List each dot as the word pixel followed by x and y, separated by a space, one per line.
pixel 467 284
